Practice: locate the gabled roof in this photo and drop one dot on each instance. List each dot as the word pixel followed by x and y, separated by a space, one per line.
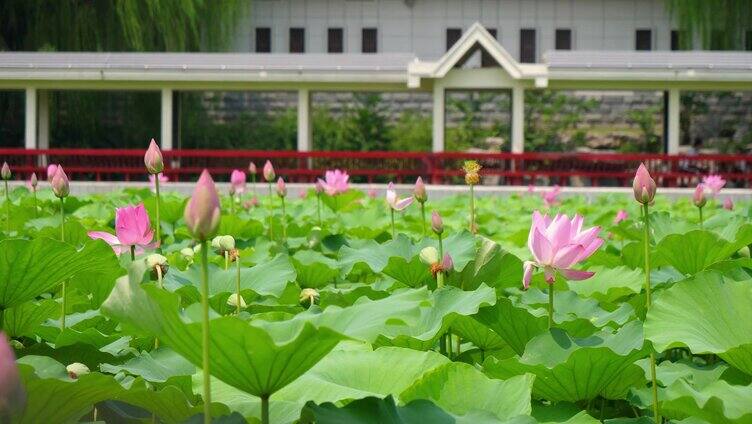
pixel 476 35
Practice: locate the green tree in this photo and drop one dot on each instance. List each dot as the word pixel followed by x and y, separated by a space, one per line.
pixel 720 24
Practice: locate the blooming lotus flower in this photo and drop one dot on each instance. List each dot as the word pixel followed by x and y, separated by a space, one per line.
pixel 281 187
pixel 334 182
pixel 644 186
pixel 419 192
pixel 269 172
pixel 5 171
pixel 51 169
pixel 699 196
pixel 132 226
pixel 60 185
pixel 202 212
pixel 153 183
pixel 714 183
pixel 395 202
pixel 550 198
pixel 153 158
pixel 728 204
pixel 237 182
pixel 437 225
pixel 308 297
pixel 558 245
pixel 12 394
pixel 620 216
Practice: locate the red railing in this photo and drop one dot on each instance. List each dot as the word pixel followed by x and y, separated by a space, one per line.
pixel 588 169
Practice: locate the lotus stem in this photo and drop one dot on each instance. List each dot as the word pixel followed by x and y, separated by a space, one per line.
pixel 265 409
pixel 232 204
pixel 159 225
pixel 423 217
pixel 318 208
pixel 284 219
pixel 648 303
pixel 237 283
pixel 227 260
pixel 472 208
pixel 159 284
pixel 551 305
pixel 449 344
pixel 36 208
pixel 7 208
pixel 62 238
pixel 253 184
pixel 700 210
pixel 205 330
pixel 133 253
pixel 441 247
pixel 271 212
pixel 394 232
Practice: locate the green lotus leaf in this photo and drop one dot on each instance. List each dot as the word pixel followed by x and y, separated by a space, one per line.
pixel 24 319
pixel 314 269
pixel 157 366
pixel 412 273
pixel 718 402
pixel 610 284
pixel 568 369
pixel 372 410
pixel 696 250
pixel 707 314
pixel 493 266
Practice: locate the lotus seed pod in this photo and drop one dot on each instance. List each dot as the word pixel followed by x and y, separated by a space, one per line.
pixel 187 252
pixel 223 243
pixel 76 370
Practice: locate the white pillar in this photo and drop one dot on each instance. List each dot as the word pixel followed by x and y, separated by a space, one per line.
pixel 165 140
pixel 305 129
pixel 30 133
pixel 438 118
pixel 674 109
pixel 43 110
pixel 518 119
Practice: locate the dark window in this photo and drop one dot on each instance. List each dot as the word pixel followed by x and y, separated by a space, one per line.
pixel 675 40
pixel 452 35
pixel 717 40
pixel 370 43
pixel 748 41
pixel 263 40
pixel 335 40
pixel 563 39
pixel 297 40
pixel 527 45
pixel 643 39
pixel 486 60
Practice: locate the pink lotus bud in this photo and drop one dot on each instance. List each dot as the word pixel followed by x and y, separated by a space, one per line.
pixel 419 192
pixel 644 186
pixel 33 181
pixel 281 187
pixel 5 171
pixel 620 216
pixel 372 193
pixel 728 204
pixel 447 264
pixel 51 169
pixel 699 197
pixel 202 211
pixel 437 225
pixel 527 276
pixel 153 158
pixel 252 168
pixel 269 172
pixel 237 182
pixel 12 395
pixel 60 185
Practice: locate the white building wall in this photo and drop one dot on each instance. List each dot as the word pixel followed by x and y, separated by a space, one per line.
pixel 419 26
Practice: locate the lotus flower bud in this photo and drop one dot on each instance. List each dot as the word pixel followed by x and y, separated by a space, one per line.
pixel 419 192
pixel 269 172
pixel 51 169
pixel 156 262
pixel 728 204
pixel 5 171
pixel 447 264
pixel 153 159
pixel 60 185
pixel 429 255
pixel 233 301
pixel 437 225
pixel 252 168
pixel 202 212
pixel 319 186
pixel 223 243
pixel 620 216
pixel 187 253
pixel 12 395
pixel 472 172
pixel 527 275
pixel 699 197
pixel 33 181
pixel 308 297
pixel 644 186
pixel 281 187
pixel 76 370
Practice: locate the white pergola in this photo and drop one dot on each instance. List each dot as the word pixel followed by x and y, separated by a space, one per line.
pixel 671 72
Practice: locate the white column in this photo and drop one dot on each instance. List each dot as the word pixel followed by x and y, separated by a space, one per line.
pixel 674 108
pixel 518 120
pixel 43 110
pixel 30 133
pixel 165 140
pixel 438 118
pixel 305 129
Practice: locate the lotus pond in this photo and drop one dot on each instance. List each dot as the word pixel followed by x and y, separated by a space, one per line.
pixel 355 312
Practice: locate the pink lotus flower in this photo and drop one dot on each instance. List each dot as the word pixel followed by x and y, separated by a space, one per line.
pixel 395 202
pixel 714 183
pixel 698 198
pixel 60 184
pixel 620 216
pixel 269 172
pixel 558 245
pixel 162 179
pixel 153 158
pixel 550 198
pixel 335 182
pixel 202 211
pixel 728 204
pixel 281 187
pixel 12 394
pixel 644 186
pixel 419 192
pixel 51 169
pixel 237 182
pixel 132 228
pixel 302 194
